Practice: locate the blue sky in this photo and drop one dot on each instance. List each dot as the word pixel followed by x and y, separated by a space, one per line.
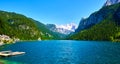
pixel 53 11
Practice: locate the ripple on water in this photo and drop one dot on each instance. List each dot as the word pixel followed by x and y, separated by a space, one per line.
pixel 66 52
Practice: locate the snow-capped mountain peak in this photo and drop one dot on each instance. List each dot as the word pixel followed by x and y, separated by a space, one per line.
pixel 71 26
pixel 111 2
pixel 64 29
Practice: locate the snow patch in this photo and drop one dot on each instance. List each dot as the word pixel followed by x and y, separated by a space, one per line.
pixel 71 26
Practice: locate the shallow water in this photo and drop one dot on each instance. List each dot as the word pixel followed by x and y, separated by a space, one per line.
pixel 64 52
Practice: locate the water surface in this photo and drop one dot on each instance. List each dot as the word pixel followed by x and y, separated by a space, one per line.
pixel 65 52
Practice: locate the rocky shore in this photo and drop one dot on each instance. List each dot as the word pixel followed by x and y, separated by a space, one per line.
pixel 4 39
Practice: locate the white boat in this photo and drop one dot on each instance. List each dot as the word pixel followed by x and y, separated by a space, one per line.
pixel 10 53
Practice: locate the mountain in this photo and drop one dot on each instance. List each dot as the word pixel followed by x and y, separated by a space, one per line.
pixel 96 17
pixel 46 31
pixel 19 26
pixel 63 29
pixel 101 25
pixel 111 2
pixel 93 19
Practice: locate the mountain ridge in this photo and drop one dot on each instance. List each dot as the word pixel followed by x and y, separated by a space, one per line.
pixel 106 29
pixel 63 29
pixel 93 19
pixel 19 26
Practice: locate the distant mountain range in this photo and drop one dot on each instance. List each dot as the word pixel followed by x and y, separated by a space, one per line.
pixel 18 26
pixel 100 25
pixel 63 29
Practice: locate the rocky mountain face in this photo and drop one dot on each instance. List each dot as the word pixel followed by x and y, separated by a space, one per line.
pixel 96 17
pixel 63 29
pixel 93 19
pixel 101 25
pixel 111 2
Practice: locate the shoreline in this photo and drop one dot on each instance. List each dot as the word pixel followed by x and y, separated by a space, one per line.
pixel 1 44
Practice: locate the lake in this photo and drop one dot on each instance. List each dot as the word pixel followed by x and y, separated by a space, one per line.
pixel 64 52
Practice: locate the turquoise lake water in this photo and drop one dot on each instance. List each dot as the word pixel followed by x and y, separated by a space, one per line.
pixel 64 52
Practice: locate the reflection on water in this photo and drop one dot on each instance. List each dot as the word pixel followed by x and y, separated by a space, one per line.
pixel 64 52
pixel 9 62
pixel 65 57
pixel 2 47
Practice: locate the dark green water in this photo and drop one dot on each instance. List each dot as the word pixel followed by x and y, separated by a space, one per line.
pixel 64 52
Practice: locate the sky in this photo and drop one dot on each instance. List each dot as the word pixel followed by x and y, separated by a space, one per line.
pixel 58 12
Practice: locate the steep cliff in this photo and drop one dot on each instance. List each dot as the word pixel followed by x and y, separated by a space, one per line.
pixel 101 25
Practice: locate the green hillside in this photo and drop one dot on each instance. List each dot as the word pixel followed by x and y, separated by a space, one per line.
pixel 47 33
pixel 19 26
pixel 107 30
